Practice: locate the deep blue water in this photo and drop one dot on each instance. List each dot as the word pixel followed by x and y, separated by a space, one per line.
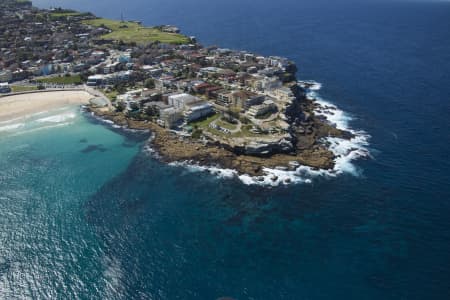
pixel 115 224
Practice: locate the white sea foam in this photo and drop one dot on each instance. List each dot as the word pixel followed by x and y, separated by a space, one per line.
pixel 11 127
pixel 35 129
pixel 310 85
pixel 38 121
pixel 147 149
pixel 346 151
pixel 216 171
pixel 60 118
pixel 116 126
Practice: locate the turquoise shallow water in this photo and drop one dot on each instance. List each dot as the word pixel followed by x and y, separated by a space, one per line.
pixel 49 166
pixel 118 225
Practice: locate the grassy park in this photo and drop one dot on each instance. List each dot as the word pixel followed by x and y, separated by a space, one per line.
pixel 73 79
pixel 130 32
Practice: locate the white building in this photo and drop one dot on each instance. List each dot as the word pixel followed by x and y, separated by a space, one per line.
pixel 198 111
pixel 4 88
pixel 169 117
pixel 179 101
pixel 98 54
pixel 258 110
pixel 277 61
pixel 270 83
pixel 283 94
pixel 95 80
pixel 110 68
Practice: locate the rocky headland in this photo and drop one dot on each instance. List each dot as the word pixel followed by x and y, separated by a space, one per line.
pixel 307 137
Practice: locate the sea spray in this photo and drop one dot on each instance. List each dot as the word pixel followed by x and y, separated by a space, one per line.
pixel 346 151
pixel 39 121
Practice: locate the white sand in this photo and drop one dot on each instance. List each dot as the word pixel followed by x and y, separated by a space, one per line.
pixel 16 106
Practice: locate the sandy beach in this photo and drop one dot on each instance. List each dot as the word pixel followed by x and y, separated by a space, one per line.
pixel 16 106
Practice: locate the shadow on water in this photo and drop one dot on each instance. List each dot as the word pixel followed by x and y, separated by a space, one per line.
pixel 133 136
pixel 92 148
pixel 147 181
pixel 162 222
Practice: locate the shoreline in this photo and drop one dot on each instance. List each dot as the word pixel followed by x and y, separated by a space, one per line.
pixel 23 104
pixel 319 156
pixel 267 121
pixel 322 153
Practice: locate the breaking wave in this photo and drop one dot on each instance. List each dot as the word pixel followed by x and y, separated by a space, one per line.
pixel 38 121
pixel 11 127
pixel 60 118
pixel 346 151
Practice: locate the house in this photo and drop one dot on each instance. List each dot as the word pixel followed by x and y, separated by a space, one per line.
pixel 125 58
pixel 110 68
pixel 164 82
pixel 213 92
pixel 200 88
pixel 170 29
pixel 129 95
pixel 209 71
pixel 98 54
pixel 80 67
pixel 153 71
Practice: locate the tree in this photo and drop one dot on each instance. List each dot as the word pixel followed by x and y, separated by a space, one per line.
pixel 120 88
pixel 197 133
pixel 150 83
pixel 151 111
pixel 120 107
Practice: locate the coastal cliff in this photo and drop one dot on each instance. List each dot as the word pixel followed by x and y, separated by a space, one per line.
pixel 209 106
pixel 305 144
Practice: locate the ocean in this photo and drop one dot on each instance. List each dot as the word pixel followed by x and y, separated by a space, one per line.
pixel 86 212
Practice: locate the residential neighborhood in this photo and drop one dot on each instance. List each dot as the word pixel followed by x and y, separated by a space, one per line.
pixel 242 95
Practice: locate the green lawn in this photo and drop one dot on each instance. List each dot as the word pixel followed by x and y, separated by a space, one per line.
pixel 225 124
pixel 245 132
pixel 202 124
pixel 129 32
pixel 65 14
pixel 76 79
pixel 217 132
pixel 112 95
pixel 22 88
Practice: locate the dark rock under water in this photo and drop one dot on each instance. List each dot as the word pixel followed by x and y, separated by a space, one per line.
pixel 92 148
